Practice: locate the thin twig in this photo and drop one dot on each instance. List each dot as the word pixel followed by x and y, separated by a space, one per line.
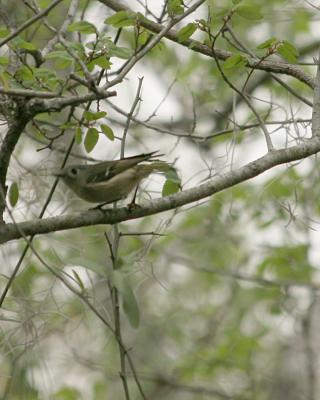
pixel 196 46
pixel 72 11
pixel 240 93
pixel 129 117
pixel 113 248
pixel 29 22
pixel 316 103
pixel 26 93
pixel 292 91
pixel 311 374
pixel 141 234
pixel 153 42
pixel 44 208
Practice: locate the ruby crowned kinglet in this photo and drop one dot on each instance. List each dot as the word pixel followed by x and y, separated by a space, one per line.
pixel 110 181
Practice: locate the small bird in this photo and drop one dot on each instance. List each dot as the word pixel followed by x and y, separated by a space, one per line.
pixel 110 181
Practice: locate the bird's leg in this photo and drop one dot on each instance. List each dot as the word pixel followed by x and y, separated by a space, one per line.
pixel 133 203
pixel 100 206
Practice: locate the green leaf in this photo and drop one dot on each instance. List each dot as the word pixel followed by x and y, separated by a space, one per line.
pixel 43 3
pixel 102 62
pixel 268 43
pixel 93 116
pixel 130 304
pixel 84 27
pixel 301 21
pixel 187 31
pixel 288 51
pixel 78 279
pixel 249 11
pixel 235 2
pixel 19 43
pixel 4 81
pixel 4 32
pixel 68 125
pixel 13 194
pixel 61 57
pixel 59 54
pixel 172 184
pixel 237 60
pixel 170 187
pixel 121 19
pixel 67 393
pixel 91 139
pixel 78 135
pixel 4 60
pixel 44 73
pixel 107 131
pixel 143 37
pixel 24 74
pixel 120 52
pixel 172 175
pixel 175 7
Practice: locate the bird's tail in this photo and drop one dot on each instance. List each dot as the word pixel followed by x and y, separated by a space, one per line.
pixel 143 170
pixel 160 166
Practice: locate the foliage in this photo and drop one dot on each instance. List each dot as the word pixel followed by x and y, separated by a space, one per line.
pixel 217 297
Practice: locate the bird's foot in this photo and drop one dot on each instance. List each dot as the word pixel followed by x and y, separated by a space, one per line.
pixel 98 207
pixel 133 206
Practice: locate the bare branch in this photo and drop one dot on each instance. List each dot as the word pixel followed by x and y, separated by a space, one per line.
pixel 29 93
pixel 58 104
pixel 30 22
pixel 16 127
pixel 194 45
pixel 70 16
pixel 94 217
pixel 129 117
pixel 316 103
pixel 153 42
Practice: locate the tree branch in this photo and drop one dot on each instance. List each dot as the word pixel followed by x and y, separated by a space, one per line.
pixel 57 104
pixel 316 103
pixel 267 65
pixel 26 93
pixel 94 217
pixel 29 22
pixel 152 43
pixel 16 127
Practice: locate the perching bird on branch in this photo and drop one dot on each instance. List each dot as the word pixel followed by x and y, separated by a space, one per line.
pixel 110 181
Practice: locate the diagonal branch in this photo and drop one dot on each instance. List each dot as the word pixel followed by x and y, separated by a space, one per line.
pixel 153 42
pixel 30 22
pixel 57 104
pixel 224 181
pixel 24 112
pixel 276 67
pixel 8 144
pixel 316 103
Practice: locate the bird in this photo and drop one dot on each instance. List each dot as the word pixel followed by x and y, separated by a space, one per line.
pixel 110 181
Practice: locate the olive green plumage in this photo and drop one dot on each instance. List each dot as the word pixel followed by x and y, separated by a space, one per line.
pixel 110 181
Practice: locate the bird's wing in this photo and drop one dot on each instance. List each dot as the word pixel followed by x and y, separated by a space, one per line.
pixel 108 169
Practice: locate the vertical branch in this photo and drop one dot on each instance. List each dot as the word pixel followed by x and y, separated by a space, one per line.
pixel 117 317
pixel 316 102
pixel 113 248
pixel 16 127
pixel 213 39
pixel 41 214
pixel 130 115
pixel 27 246
pixel 309 351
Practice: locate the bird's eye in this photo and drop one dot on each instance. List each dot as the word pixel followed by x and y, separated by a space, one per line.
pixel 74 171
